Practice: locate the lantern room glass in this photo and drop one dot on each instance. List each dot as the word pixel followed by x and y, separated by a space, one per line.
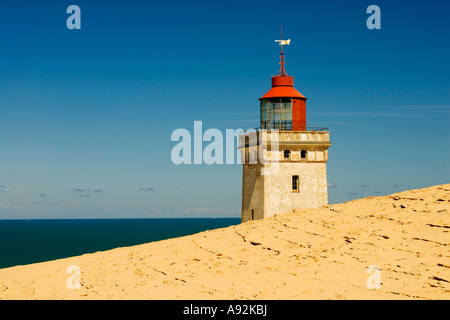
pixel 276 113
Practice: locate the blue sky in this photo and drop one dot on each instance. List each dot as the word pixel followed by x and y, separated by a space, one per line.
pixel 86 115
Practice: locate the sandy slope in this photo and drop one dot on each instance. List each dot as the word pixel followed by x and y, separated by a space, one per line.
pixel 318 253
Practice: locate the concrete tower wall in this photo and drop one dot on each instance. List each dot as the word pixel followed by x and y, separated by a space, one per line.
pixel 312 187
pixel 270 161
pixel 252 192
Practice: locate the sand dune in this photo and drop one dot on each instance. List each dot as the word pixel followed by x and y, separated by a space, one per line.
pixel 318 253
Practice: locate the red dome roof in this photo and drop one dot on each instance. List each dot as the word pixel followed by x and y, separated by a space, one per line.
pixel 283 92
pixel 283 87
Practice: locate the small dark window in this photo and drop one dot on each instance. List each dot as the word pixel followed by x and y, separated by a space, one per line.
pixel 287 154
pixel 303 154
pixel 253 214
pixel 295 184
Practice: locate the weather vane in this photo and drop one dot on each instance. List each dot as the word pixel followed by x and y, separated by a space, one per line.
pixel 282 42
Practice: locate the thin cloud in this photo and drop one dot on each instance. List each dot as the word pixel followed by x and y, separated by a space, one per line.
pixel 147 189
pixel 197 210
pixel 428 108
pixel 352 193
pixel 429 111
pixel 364 186
pixel 364 114
pixel 80 190
pixel 331 185
pixel 211 211
pixel 42 195
pixel 85 194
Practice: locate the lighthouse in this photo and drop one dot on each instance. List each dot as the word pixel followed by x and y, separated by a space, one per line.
pixel 284 161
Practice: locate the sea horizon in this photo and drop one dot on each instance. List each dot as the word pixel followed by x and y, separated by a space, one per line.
pixel 21 219
pixel 26 241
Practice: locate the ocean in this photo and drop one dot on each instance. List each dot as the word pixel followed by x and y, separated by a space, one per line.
pixel 30 241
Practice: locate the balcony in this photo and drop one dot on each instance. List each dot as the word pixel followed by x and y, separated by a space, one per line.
pixel 313 136
pixel 269 145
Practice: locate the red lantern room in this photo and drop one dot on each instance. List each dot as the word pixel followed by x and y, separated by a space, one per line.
pixel 283 107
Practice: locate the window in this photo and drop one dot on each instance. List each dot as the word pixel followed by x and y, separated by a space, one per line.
pixel 285 125
pixel 276 113
pixel 253 214
pixel 287 154
pixel 247 141
pixel 303 154
pixel 295 183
